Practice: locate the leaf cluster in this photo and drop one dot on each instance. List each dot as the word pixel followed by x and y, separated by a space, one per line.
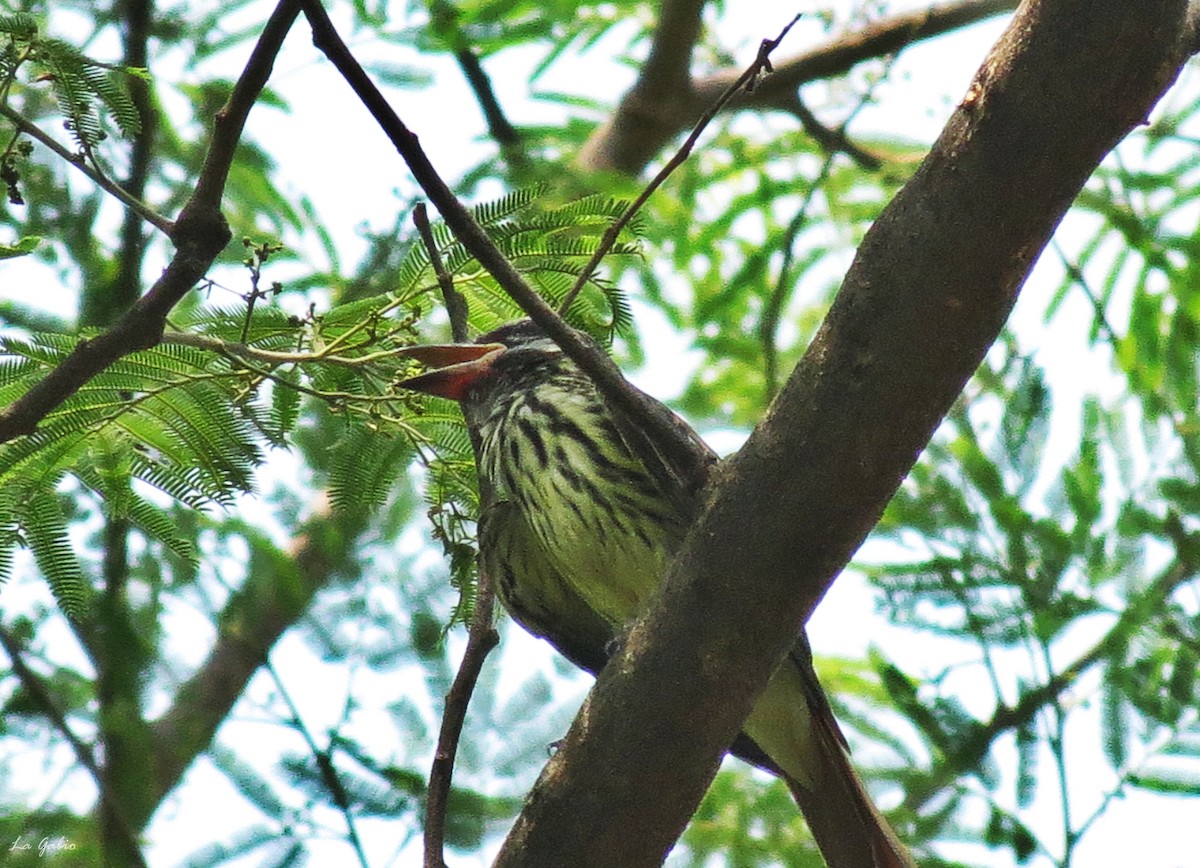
pixel 1019 561
pixel 83 88
pixel 193 416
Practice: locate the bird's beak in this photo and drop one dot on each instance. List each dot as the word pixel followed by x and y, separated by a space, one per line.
pixel 456 367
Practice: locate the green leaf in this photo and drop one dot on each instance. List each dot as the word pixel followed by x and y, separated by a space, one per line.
pixel 46 532
pixel 23 247
pixel 1114 724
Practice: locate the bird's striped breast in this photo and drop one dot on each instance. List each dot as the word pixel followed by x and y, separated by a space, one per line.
pixel 597 517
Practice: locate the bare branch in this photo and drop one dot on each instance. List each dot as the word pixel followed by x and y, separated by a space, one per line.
pixel 456 304
pixel 834 141
pixel 667 70
pixel 481 639
pixel 746 81
pixel 498 124
pixel 199 235
pixel 115 190
pixel 879 39
pixel 640 128
pixel 323 759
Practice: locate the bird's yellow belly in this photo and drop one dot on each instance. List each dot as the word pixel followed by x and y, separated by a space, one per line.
pixel 615 570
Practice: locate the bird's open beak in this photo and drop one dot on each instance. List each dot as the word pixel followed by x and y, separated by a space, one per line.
pixel 456 367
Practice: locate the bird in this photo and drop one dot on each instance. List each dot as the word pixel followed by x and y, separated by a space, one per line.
pixel 580 523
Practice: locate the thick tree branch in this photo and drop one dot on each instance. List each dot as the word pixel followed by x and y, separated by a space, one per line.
pixel 647 119
pixel 103 303
pixel 199 235
pixel 122 730
pixel 667 70
pixel 930 289
pixel 660 103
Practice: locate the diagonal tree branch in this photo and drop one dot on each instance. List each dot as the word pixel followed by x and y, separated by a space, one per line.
pixel 647 118
pixel 878 39
pixel 200 234
pixel 498 125
pixel 664 427
pixel 929 290
pixel 113 189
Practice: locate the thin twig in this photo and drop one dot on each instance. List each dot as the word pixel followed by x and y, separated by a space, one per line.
pixel 274 357
pixel 1133 769
pixel 498 124
pixel 324 761
pixel 481 639
pixel 773 309
pixel 1008 718
pixel 83 753
pixel 456 305
pixel 835 140
pixel 746 81
pixel 482 636
pixel 109 186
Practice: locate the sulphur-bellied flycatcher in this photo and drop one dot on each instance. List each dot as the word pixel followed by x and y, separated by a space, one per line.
pixel 581 531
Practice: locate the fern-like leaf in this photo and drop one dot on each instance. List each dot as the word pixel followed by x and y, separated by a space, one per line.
pixel 366 464
pixel 46 532
pixel 80 85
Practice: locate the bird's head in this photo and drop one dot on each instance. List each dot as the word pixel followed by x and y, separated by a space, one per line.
pixel 505 354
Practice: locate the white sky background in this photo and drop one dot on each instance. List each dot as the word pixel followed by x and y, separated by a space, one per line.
pixel 329 149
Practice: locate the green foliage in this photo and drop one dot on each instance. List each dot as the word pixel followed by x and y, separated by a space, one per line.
pixel 46 528
pixel 193 416
pixel 81 86
pixel 1020 560
pixel 23 247
pixel 744 823
pixel 549 243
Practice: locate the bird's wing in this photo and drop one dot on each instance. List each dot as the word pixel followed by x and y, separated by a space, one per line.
pixel 682 465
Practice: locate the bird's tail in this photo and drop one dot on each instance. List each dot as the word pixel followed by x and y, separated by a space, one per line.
pixel 848 828
pixel 806 744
